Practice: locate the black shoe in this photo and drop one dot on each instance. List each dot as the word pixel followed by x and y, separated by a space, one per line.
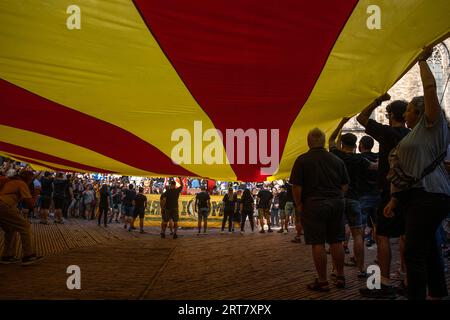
pixel 369 243
pixel 401 290
pixel 386 292
pixel 9 260
pixel 270 230
pixel 31 260
pixel 361 274
pixel 175 236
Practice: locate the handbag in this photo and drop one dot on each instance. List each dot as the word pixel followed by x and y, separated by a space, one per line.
pixel 402 180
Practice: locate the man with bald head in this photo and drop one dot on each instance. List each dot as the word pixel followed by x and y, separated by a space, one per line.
pixel 319 180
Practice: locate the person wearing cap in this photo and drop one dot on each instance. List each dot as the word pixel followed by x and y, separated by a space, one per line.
pixel 16 189
pixel 388 137
pixel 344 148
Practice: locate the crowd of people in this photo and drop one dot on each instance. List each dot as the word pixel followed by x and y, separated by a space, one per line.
pixel 332 196
pixel 409 200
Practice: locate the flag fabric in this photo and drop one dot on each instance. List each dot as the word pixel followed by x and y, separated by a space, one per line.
pixel 111 94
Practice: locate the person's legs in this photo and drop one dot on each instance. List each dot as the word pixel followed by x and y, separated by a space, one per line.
pixel 243 218
pixel 337 254
pixel 100 217
pixel 199 224
pixel 320 261
pixel 384 258
pixel 224 220
pixel 230 222
pixel 358 248
pixel 163 227
pixel 267 215
pixel 437 284
pixel 11 221
pixel 421 252
pixel 105 218
pixel 261 219
pixel 9 248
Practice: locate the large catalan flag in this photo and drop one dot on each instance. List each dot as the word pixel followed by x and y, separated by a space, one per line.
pixel 108 96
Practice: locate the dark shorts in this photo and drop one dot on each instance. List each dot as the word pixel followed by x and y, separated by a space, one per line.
pixel 128 211
pixel 139 212
pixel 59 202
pixel 264 213
pixel 45 201
pixel 369 206
pixel 352 214
pixel 203 213
pixel 390 227
pixel 170 214
pixel 322 220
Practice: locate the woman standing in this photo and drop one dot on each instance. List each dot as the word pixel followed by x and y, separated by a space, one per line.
pixel 228 210
pixel 247 208
pixel 420 184
pixel 103 206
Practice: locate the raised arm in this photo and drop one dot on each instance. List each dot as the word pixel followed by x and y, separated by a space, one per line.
pixel 332 143
pixel 432 107
pixel 364 116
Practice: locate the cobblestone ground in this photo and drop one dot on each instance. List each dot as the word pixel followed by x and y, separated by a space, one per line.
pixel 117 264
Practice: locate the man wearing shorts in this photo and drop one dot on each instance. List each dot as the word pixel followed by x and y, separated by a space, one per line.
pixel 140 204
pixel 127 202
pixel 319 180
pixel 263 200
pixel 169 204
pixel 388 136
pixel 202 207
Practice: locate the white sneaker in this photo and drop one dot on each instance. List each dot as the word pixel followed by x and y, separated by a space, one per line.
pixel 285 232
pixel 242 232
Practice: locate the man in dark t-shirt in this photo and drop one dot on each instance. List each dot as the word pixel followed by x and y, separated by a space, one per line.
pixel 202 206
pixel 388 136
pixel 59 195
pixel 45 199
pixel 127 203
pixel 356 165
pixel 319 179
pixel 169 202
pixel 263 200
pixel 369 198
pixel 140 204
